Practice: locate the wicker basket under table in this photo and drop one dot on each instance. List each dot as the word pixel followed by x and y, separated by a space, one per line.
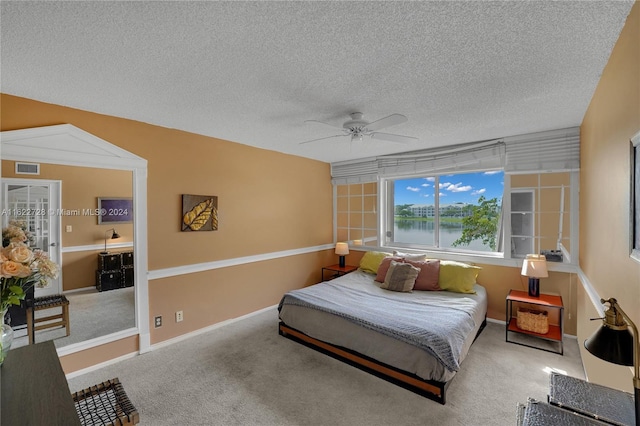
pixel 105 404
pixel 532 320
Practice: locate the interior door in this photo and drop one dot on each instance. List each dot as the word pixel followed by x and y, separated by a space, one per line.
pixel 36 202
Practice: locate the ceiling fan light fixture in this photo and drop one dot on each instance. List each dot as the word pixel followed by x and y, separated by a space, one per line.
pixel 357 137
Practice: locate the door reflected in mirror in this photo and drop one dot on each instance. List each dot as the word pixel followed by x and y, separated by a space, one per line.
pixel 60 208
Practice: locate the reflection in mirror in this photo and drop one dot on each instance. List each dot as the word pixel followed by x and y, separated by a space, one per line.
pixel 59 209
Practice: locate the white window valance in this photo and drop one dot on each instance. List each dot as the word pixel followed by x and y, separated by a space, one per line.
pixel 557 150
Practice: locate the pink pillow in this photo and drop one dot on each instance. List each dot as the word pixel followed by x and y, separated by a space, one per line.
pixel 384 267
pixel 429 273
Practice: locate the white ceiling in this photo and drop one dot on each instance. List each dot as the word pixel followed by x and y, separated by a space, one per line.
pixel 253 72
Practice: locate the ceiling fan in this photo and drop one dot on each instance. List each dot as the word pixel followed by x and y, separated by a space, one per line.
pixel 357 128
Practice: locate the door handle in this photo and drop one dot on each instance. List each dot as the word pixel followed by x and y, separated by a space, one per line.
pixel 53 244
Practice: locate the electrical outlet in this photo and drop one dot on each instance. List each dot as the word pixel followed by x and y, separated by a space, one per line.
pixel 69 228
pixel 158 321
pixel 179 316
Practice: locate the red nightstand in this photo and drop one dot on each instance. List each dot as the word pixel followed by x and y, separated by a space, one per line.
pixel 546 301
pixel 337 270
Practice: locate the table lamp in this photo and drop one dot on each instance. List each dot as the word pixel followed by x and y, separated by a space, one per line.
pixel 342 249
pixel 613 342
pixel 534 267
pixel 114 236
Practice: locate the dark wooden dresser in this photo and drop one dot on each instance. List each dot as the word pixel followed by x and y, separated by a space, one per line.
pixel 34 388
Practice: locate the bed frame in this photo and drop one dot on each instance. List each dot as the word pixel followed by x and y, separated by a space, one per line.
pixel 431 389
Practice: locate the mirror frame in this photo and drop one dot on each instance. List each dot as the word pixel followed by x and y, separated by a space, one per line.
pixel 53 145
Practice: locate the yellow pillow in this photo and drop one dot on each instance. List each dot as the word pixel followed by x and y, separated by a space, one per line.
pixel 457 276
pixel 371 260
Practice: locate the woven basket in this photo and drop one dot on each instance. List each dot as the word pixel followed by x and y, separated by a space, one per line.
pixel 532 320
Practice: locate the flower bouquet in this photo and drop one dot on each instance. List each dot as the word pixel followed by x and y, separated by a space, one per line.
pixel 21 267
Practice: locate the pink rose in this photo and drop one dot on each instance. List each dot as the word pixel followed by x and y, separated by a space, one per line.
pixel 19 252
pixel 11 269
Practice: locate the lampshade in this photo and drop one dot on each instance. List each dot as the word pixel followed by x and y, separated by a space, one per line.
pixel 535 265
pixel 611 345
pixel 613 342
pixel 114 236
pixel 342 249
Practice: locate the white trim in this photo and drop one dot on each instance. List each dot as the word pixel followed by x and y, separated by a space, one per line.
pixel 208 266
pixel 68 145
pixel 591 292
pixel 95 247
pixel 95 367
pixel 87 344
pixel 209 328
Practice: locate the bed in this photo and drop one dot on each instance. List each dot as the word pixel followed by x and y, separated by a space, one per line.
pixel 416 339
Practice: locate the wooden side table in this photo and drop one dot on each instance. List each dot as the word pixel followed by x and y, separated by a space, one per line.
pixel 34 388
pixel 337 271
pixel 545 301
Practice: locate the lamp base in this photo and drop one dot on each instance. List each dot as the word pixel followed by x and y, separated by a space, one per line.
pixel 534 287
pixel 342 262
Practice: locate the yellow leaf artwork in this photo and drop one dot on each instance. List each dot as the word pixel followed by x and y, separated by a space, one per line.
pixel 199 213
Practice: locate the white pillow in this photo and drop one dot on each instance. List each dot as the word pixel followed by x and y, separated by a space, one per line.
pixel 410 256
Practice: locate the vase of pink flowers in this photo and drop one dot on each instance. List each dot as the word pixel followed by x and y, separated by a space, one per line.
pixel 21 267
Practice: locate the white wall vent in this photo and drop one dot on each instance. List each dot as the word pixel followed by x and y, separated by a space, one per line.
pixel 27 168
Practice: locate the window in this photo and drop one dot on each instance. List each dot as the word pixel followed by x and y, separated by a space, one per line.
pixel 459 212
pixel 541 209
pixel 356 215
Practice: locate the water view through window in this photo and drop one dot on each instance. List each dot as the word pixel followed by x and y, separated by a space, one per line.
pixel 467 213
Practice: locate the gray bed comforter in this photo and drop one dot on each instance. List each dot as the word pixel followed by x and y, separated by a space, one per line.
pixel 428 323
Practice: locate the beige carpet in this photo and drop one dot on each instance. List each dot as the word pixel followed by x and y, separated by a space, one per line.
pixel 246 374
pixel 91 314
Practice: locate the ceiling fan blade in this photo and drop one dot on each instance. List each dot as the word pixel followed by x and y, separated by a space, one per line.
pixel 389 121
pixel 326 124
pixel 319 139
pixel 393 138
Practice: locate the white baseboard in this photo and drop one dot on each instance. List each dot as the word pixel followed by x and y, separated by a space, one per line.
pixel 167 342
pixel 101 365
pixel 207 329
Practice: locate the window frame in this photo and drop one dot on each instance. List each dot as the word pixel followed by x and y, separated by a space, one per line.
pixel 386 207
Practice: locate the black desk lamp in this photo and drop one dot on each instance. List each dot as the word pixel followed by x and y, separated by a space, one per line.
pixel 114 236
pixel 613 342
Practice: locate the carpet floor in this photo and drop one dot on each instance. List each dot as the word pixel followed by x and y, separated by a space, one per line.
pixel 244 373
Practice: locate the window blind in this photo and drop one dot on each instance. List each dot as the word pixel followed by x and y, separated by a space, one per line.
pixel 466 157
pixel 551 151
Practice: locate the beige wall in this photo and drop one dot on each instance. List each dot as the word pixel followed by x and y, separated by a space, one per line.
pixel 612 118
pixel 81 188
pixel 267 202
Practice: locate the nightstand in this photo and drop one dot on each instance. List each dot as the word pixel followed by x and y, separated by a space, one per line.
pixel 337 271
pixel 544 301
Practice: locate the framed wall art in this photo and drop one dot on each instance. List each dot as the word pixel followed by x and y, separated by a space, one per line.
pixel 115 210
pixel 199 212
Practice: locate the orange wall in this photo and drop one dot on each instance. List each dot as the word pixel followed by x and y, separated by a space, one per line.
pixel 267 202
pixel 613 117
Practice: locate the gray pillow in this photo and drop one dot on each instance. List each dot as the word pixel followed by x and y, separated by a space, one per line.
pixel 400 277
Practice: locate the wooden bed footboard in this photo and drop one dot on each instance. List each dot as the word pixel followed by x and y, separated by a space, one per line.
pixel 427 388
pixel 431 389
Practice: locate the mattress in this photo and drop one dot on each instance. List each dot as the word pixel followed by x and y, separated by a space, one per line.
pixel 388 349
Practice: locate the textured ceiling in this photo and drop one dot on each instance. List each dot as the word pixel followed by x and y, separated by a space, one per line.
pixel 253 72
